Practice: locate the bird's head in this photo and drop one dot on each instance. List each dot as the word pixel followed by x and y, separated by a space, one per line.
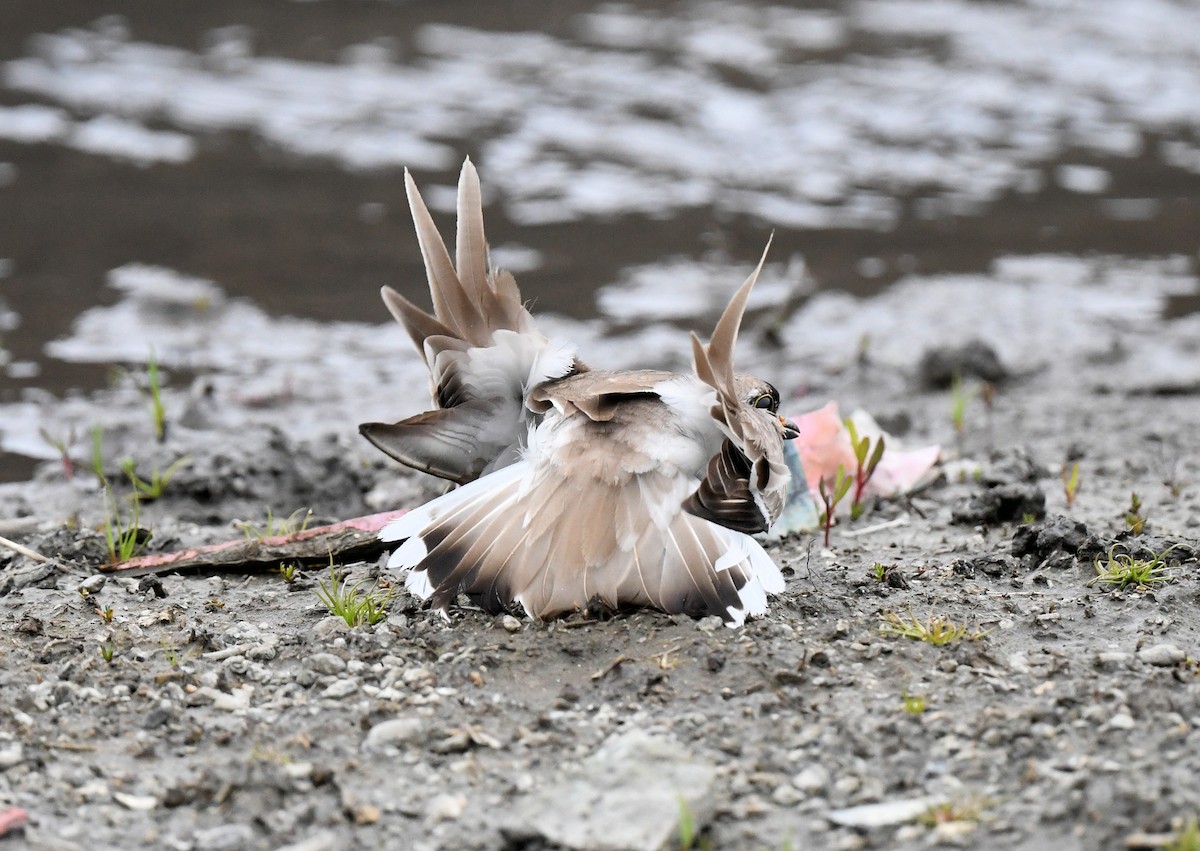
pixel 762 396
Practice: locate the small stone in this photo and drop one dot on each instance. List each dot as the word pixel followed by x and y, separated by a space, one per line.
pixel 1162 655
pixel 326 663
pixel 1113 660
pixel 394 733
pixel 13 754
pixel 811 779
pixel 93 584
pixel 1122 721
pixel 137 803
pixel 948 666
pixel 709 624
pixel 341 688
pixel 225 836
pixel 881 814
pixel 446 807
pixel 786 795
pixel 365 814
pixel 510 624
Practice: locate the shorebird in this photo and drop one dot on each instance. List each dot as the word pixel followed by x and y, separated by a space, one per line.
pixel 578 487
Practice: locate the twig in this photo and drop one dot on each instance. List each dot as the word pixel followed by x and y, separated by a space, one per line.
pixel 357 537
pixel 22 549
pixel 612 666
pixel 902 520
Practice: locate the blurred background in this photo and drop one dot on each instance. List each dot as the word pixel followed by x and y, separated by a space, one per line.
pixel 634 156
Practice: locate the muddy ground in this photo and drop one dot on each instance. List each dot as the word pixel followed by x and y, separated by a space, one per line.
pixel 236 713
pixel 1024 174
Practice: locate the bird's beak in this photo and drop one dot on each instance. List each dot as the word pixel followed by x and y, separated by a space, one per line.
pixel 790 429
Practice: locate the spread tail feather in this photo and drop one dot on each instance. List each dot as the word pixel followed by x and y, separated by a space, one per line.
pixel 483 539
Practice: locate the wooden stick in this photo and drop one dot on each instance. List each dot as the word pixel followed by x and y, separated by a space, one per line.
pixel 357 537
pixel 22 549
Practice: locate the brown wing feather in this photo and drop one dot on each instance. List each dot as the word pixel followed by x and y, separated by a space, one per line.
pixel 724 496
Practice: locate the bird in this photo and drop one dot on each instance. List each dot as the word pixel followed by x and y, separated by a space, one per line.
pixel 578 489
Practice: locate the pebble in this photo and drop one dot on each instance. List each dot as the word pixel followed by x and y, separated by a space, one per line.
pixel 786 795
pixel 225 836
pixel 881 814
pixel 93 584
pixel 1162 655
pixel 326 663
pixel 510 624
pixel 394 732
pixel 811 779
pixel 446 807
pixel 1113 660
pixel 1121 721
pixel 137 803
pixel 341 688
pixel 12 755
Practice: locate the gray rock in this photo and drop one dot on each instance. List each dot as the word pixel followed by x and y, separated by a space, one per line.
pixel 341 688
pixel 1113 660
pixel 224 836
pixel 93 584
pixel 881 814
pixel 1162 655
pixel 811 779
pixel 625 796
pixel 394 732
pixel 326 663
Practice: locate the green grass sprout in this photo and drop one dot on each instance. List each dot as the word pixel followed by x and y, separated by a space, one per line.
pixel 1187 838
pixel 1120 570
pixel 1070 480
pixel 866 460
pixel 936 629
pixel 913 704
pixel 1135 519
pixel 123 536
pixel 98 451
pixel 831 495
pixel 157 484
pixel 353 605
pixel 158 412
pixel 295 522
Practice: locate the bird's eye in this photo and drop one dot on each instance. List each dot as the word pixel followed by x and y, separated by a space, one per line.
pixel 766 402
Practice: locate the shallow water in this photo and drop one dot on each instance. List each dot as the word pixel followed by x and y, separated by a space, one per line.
pixel 635 159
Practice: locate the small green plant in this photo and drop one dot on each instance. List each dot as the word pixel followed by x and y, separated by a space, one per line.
pixel 960 398
pixel 157 484
pixel 106 614
pixel 353 605
pixel 866 460
pixel 98 451
pixel 171 654
pixel 287 570
pixel 1187 838
pixel 1028 518
pixel 1120 570
pixel 1135 520
pixel 1070 480
pixel 935 629
pixel 879 572
pixel 687 826
pixel 158 412
pixel 831 495
pixel 61 445
pixel 123 536
pixel 913 704
pixel 969 809
pixel 295 522
pixel 108 650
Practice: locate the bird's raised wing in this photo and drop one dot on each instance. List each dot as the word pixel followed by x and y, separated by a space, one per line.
pixel 481 345
pixel 746 483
